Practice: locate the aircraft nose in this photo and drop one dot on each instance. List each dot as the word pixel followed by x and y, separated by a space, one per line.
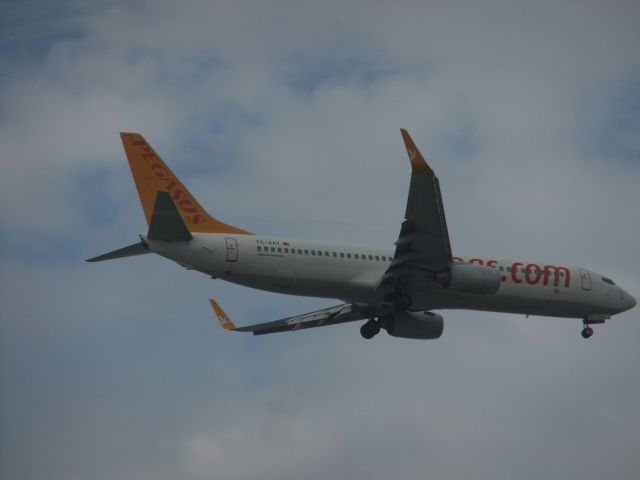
pixel 628 302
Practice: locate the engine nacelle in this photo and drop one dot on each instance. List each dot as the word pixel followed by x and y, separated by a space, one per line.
pixel 418 325
pixel 470 278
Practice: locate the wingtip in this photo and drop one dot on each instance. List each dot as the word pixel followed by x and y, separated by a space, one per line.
pixel 223 318
pixel 418 162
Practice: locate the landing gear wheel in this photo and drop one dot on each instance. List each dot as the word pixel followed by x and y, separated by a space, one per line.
pixel 402 302
pixel 370 329
pixel 587 332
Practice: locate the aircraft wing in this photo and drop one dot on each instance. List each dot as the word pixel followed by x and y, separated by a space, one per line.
pixel 423 243
pixel 320 318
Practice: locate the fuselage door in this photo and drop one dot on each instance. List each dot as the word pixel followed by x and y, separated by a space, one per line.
pixel 586 280
pixel 232 249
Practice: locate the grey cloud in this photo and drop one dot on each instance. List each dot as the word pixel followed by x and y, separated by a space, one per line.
pixel 283 118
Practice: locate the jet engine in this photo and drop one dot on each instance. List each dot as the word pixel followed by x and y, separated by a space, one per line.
pixel 470 278
pixel 418 325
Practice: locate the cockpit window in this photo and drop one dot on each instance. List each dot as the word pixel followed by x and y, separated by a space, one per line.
pixel 608 280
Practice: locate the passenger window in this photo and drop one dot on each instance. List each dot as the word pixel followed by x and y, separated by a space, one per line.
pixel 364 257
pixel 341 255
pixel 370 257
pixel 293 250
pixel 306 252
pixel 384 258
pixel 273 249
pixel 299 251
pixel 279 250
pixel 335 254
pixel 377 257
pixel 501 268
pixel 356 255
pixel 313 252
pixel 348 255
pixel 259 249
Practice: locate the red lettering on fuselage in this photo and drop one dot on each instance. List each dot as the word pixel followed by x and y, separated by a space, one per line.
pixel 533 274
pixel 557 271
pixel 530 269
pixel 514 271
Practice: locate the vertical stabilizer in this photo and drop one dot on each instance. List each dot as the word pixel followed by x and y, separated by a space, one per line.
pixel 152 175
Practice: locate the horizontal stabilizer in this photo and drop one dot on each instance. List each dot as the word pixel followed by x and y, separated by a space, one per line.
pixel 130 251
pixel 166 222
pixel 327 316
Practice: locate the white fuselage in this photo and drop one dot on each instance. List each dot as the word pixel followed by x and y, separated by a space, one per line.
pixel 351 273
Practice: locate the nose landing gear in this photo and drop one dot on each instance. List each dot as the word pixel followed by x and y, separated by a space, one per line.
pixel 593 319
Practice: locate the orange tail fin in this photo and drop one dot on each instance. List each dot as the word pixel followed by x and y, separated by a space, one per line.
pixel 152 175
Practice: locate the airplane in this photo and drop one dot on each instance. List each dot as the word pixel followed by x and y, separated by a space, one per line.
pixel 395 289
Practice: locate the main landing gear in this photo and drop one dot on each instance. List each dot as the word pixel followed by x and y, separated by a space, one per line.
pixel 370 329
pixel 401 301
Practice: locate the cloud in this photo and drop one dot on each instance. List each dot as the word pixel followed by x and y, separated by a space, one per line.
pixel 283 118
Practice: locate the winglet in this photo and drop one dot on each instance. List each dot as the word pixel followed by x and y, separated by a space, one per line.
pixel 225 321
pixel 418 163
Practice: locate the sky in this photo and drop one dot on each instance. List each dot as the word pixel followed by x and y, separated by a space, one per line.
pixel 283 118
